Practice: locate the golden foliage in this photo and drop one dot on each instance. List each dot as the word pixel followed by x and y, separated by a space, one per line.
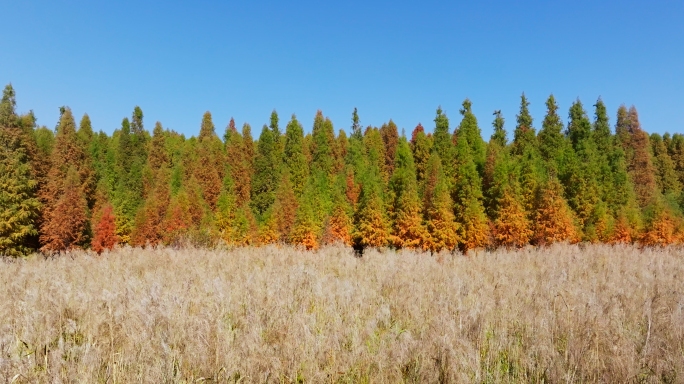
pixel 511 228
pixel 554 222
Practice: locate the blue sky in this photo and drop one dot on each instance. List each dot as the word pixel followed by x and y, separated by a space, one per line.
pixel 389 59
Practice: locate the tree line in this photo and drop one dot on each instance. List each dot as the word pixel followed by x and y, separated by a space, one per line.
pixel 72 187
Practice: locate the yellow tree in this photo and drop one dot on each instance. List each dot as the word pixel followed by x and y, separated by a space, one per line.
pixel 443 231
pixel 553 222
pixel 511 228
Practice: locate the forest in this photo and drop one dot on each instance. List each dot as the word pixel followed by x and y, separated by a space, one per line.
pixel 585 180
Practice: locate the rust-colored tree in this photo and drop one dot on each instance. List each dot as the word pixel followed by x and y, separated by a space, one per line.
pixel 149 220
pixel 390 137
pixel 511 229
pixel 65 226
pixel 239 166
pixel 553 222
pixel 285 206
pixel 339 227
pixel 352 189
pixel 635 143
pixel 178 219
pixel 68 156
pixel 209 170
pixel 105 231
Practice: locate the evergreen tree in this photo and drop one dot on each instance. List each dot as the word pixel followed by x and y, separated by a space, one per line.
pixel 420 147
pixel 676 150
pixel 553 145
pixel 85 131
pixel 278 138
pixel 500 136
pixel 250 152
pixel 442 143
pixel 375 153
pixel 469 130
pixel 467 196
pixel 524 136
pixel 499 173
pixel 356 158
pixel 601 129
pixel 266 167
pixel 667 179
pixel 581 185
pixel 295 160
pixel 340 151
pixel 323 142
pixel 19 206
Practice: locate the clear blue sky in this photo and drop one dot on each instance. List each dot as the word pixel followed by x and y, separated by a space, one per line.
pixel 390 59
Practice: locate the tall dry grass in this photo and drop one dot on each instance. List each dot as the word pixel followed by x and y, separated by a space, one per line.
pixel 560 314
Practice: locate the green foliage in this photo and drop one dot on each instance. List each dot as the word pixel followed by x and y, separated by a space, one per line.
pixel 421 147
pixel 499 136
pixel 580 182
pixel 524 136
pixel 469 130
pixel 553 145
pixel 266 166
pixel 442 143
pixel 666 174
pixel 322 151
pixel 295 160
pixel 19 206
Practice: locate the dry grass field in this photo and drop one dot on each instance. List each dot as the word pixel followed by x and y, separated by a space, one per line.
pixel 559 314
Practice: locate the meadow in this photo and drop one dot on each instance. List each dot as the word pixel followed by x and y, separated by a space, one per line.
pixel 566 313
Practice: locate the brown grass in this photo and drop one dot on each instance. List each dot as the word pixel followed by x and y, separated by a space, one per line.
pixel 559 314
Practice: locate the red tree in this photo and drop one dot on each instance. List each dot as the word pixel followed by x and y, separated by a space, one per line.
pixel 105 231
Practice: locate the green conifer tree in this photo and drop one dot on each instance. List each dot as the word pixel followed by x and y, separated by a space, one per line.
pixel 266 166
pixel 469 129
pixel 443 144
pixel 19 206
pixel 524 136
pixel 295 159
pixel 421 148
pixel 666 174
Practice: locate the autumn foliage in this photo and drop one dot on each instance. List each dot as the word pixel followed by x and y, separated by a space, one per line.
pixel 105 232
pixel 444 189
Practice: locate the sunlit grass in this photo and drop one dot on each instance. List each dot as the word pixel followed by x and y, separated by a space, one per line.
pixel 558 314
